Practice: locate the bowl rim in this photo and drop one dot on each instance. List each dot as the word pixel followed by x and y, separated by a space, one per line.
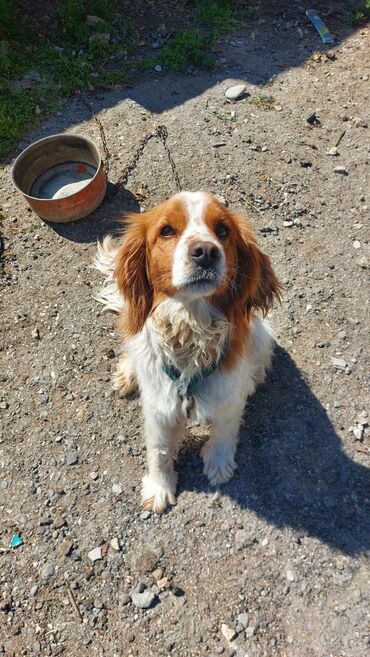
pixel 50 138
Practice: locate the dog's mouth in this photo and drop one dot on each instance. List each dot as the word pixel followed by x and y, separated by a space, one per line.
pixel 205 281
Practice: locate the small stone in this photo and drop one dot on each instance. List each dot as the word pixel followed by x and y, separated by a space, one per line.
pixel 146 561
pixel 34 589
pixel 158 68
pixel 94 475
pixel 143 600
pixel 115 544
pixel 71 457
pixel 93 20
pixel 358 433
pixel 250 631
pixel 47 570
pixel 288 224
pixel 341 169
pixel 59 522
pixel 359 123
pixel 312 119
pixel 339 363
pixel 227 632
pixel 36 333
pixel 333 151
pixel 117 489
pixel 65 548
pixel 356 244
pixel 131 637
pixel 362 262
pixel 236 92
pixel 290 575
pixel 157 574
pixel 145 515
pixel 243 619
pixel 278 108
pixel 95 554
pixel 162 583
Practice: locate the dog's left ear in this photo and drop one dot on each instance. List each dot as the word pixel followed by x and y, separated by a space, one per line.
pixel 256 282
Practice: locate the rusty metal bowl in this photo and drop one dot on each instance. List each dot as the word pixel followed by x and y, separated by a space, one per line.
pixel 61 177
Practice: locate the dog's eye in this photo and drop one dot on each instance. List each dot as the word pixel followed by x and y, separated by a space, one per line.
pixel 221 230
pixel 167 231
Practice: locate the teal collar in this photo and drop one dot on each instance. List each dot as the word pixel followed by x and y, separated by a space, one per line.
pixel 187 391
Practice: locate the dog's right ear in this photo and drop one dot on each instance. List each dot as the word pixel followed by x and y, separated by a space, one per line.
pixel 131 275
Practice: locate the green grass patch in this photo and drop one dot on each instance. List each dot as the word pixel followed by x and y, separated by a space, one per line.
pixel 38 69
pixel 361 14
pixel 187 47
pixel 217 16
pixel 40 66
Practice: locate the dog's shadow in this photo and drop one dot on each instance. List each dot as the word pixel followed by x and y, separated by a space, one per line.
pixel 292 469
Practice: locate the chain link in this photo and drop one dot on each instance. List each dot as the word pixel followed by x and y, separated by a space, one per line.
pixel 160 132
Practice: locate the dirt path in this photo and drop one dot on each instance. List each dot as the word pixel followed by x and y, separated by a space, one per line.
pixel 285 542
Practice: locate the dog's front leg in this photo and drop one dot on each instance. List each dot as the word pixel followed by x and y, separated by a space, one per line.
pixel 219 451
pixel 159 485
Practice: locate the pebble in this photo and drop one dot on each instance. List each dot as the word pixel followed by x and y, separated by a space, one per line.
pixel 35 333
pixel 333 151
pixel 157 574
pixel 59 522
pixel 356 244
pixel 341 169
pixel 145 515
pixel 313 119
pixel 47 570
pixel 162 583
pixel 228 632
pixel 158 68
pixel 290 575
pixel 115 544
pixel 236 92
pixel 117 489
pixel 71 457
pixel 65 548
pixel 358 433
pixel 243 619
pixel 95 554
pixel 359 123
pixel 143 600
pixel 94 475
pixel 339 363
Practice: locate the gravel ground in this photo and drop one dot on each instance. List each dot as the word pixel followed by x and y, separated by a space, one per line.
pixel 273 563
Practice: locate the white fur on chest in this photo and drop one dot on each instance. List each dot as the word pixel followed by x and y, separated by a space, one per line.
pixel 190 339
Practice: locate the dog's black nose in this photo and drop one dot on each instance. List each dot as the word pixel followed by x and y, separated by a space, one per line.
pixel 205 254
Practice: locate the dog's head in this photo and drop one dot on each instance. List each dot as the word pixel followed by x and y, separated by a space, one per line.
pixel 189 247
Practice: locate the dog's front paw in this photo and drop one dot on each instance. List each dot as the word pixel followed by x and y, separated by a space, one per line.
pixel 157 497
pixel 219 463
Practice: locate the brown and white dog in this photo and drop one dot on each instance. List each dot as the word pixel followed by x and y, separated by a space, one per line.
pixel 187 279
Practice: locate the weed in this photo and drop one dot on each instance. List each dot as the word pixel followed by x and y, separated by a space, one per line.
pixel 361 14
pixel 187 47
pixel 217 16
pixel 264 102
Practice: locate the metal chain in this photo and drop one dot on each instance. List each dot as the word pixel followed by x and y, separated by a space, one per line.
pixel 162 134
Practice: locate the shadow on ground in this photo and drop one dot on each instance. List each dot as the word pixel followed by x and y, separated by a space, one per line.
pixel 292 469
pixel 106 220
pixel 255 53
